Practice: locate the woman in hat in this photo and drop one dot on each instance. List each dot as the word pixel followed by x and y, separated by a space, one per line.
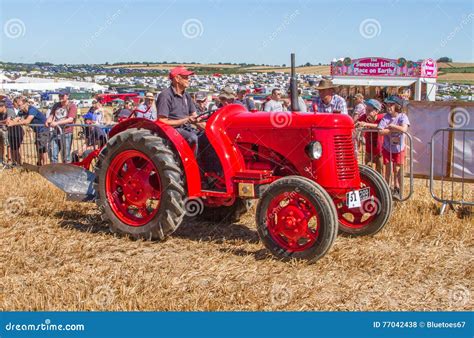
pixel 146 110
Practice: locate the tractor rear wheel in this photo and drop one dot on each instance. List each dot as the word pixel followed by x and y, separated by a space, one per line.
pixel 140 186
pixel 296 218
pixel 373 213
pixel 226 214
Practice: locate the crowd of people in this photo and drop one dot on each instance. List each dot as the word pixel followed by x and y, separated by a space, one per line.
pixel 53 131
pixel 176 107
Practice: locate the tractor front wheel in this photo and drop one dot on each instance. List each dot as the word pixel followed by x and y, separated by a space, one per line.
pixel 140 186
pixel 374 212
pixel 296 218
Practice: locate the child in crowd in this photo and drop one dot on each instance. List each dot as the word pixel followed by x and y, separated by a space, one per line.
pixel 392 126
pixel 373 141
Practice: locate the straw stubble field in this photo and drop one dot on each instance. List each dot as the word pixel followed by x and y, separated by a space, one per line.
pixel 58 255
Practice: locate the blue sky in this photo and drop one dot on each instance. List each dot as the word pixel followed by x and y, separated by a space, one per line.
pixel 210 31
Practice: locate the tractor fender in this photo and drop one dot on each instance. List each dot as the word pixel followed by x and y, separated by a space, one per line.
pixel 180 145
pixel 216 132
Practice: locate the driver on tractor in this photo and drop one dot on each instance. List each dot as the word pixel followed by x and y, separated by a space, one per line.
pixel 175 107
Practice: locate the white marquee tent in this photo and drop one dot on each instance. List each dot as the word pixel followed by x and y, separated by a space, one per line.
pixel 42 84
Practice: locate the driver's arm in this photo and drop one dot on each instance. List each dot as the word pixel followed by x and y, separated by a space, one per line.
pixel 173 123
pixel 197 122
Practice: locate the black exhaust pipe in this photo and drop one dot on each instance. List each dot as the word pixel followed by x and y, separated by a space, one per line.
pixel 293 86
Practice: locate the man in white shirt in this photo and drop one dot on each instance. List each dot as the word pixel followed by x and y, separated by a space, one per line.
pixel 275 103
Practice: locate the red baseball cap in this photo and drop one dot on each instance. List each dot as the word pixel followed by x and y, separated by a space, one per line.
pixel 180 70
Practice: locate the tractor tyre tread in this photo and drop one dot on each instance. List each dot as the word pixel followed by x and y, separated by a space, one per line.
pixel 171 209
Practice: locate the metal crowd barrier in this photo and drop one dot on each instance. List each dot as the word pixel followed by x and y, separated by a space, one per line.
pixel 452 184
pixel 39 145
pixel 375 160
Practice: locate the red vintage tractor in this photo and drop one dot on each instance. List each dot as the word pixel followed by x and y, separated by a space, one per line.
pixel 301 167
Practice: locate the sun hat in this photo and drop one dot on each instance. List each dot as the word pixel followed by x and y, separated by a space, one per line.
pixel 395 99
pixel 227 93
pixel 374 104
pixel 325 84
pixel 150 96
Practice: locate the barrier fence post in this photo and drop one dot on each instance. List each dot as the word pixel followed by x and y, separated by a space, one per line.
pixel 449 174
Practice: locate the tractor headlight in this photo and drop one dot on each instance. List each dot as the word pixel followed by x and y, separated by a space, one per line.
pixel 314 150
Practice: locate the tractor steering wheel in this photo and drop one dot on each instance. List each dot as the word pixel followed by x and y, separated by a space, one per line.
pixel 204 116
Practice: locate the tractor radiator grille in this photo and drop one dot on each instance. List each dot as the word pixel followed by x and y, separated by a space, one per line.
pixel 345 157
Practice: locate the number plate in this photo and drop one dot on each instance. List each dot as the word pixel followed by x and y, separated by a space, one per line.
pixel 355 197
pixel 364 194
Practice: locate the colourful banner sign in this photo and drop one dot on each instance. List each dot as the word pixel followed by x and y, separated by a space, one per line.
pixel 384 67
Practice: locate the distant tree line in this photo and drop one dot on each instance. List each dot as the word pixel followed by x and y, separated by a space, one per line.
pixel 444 59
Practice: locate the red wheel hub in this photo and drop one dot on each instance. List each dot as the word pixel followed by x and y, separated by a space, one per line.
pixel 359 217
pixel 133 187
pixel 292 221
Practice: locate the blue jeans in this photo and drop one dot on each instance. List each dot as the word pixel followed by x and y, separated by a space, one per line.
pixel 57 141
